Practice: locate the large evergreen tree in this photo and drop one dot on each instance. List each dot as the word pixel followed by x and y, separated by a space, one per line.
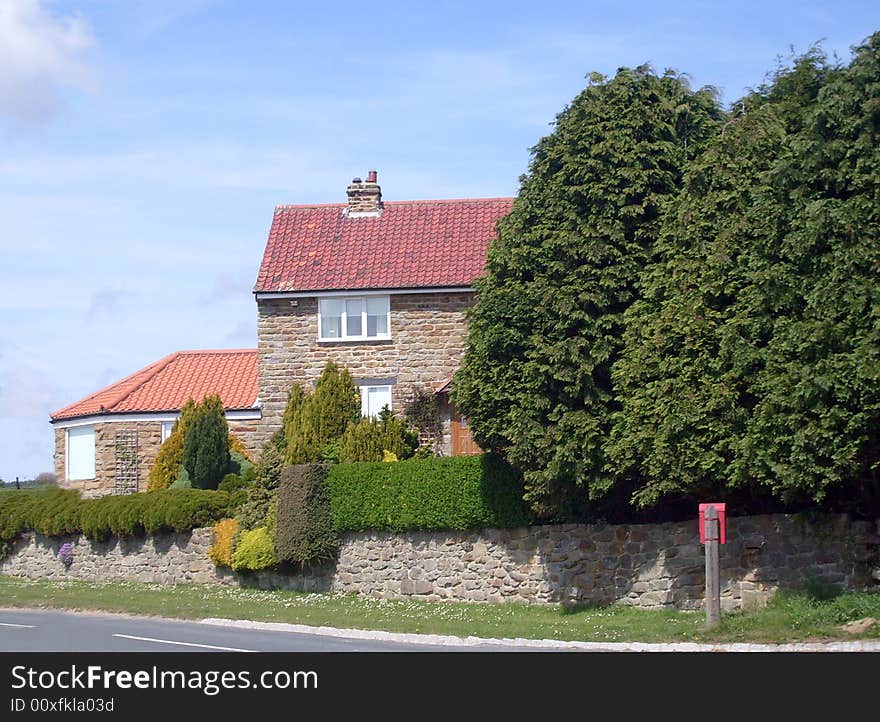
pixel 753 359
pixel 535 380
pixel 815 428
pixel 692 342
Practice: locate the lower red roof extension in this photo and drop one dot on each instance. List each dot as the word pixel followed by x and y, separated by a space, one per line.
pixel 170 382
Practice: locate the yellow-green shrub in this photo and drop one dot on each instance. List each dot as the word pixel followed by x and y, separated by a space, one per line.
pixel 377 439
pixel 169 460
pixel 224 534
pixel 255 550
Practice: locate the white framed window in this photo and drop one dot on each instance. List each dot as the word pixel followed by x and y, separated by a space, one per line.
pixel 167 426
pixel 354 318
pixel 373 398
pixel 80 446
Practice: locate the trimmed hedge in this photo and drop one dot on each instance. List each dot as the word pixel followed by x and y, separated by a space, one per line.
pixel 459 492
pixel 304 531
pixel 56 512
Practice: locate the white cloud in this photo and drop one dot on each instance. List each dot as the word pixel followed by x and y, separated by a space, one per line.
pixel 41 54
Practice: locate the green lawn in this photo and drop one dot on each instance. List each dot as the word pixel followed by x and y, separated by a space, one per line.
pixel 789 617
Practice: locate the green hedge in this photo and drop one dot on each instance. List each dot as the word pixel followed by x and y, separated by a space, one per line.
pixel 304 531
pixel 459 492
pixel 57 512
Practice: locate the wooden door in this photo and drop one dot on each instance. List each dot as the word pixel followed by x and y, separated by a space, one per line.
pixel 462 442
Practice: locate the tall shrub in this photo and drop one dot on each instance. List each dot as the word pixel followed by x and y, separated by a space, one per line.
pixel 261 493
pixel 206 446
pixel 296 444
pixel 323 415
pixel 304 533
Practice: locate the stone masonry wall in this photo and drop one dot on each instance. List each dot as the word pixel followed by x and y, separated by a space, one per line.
pixel 650 566
pixel 426 346
pixel 149 439
pixel 163 558
pixel 249 431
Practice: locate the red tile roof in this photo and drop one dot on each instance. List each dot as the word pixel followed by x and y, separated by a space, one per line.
pixel 412 244
pixel 169 383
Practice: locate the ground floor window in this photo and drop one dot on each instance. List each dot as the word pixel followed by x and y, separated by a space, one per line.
pixel 373 398
pixel 80 452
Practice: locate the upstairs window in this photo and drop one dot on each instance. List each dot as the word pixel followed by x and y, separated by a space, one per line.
pixel 355 318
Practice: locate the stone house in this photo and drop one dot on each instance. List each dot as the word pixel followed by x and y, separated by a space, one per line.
pixel 379 287
pixel 107 442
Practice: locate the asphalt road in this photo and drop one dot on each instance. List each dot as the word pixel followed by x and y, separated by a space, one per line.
pixel 61 631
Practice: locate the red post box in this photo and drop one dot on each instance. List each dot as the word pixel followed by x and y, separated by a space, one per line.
pixel 722 521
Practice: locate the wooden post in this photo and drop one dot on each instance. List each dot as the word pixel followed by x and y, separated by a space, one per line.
pixel 713 574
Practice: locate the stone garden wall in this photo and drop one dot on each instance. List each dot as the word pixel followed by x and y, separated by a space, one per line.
pixel 651 566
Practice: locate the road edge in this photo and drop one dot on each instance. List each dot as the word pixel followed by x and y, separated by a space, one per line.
pixel 447 640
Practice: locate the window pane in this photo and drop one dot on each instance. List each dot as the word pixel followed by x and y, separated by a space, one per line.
pixel 353 317
pixel 81 452
pixel 167 426
pixel 377 397
pixel 331 317
pixel 377 316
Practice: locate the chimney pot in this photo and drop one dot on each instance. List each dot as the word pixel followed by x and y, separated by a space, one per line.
pixel 372 177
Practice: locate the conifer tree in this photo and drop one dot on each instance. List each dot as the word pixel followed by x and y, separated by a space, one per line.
pixel 263 491
pixel 206 444
pixel 546 327
pixel 320 418
pixel 752 360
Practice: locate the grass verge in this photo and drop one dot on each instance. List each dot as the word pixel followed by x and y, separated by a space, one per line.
pixel 788 617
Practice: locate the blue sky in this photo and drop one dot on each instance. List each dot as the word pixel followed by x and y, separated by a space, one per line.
pixel 145 143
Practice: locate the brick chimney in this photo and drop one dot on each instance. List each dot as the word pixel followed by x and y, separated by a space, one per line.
pixel 364 197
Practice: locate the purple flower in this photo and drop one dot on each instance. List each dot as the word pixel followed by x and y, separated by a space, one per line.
pixel 65 554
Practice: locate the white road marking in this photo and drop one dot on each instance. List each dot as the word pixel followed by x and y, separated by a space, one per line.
pixel 23 626
pixel 183 644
